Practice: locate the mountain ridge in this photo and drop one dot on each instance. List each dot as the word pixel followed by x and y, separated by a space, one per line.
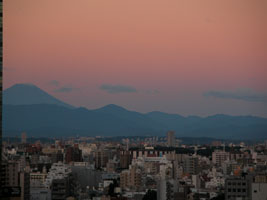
pixel 113 120
pixel 28 94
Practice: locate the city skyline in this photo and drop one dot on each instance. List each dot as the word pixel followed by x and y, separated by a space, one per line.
pixel 133 100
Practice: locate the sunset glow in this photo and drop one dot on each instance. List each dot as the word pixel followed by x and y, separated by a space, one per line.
pixel 155 54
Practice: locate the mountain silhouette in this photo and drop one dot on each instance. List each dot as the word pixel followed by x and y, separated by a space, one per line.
pixel 28 94
pixel 45 116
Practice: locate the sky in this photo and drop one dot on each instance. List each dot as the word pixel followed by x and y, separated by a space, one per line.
pixel 188 57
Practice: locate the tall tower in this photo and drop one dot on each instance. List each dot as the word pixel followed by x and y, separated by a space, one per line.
pixel 170 139
pixel 23 138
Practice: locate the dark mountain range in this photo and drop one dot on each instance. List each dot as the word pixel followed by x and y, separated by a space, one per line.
pixel 28 94
pixel 54 120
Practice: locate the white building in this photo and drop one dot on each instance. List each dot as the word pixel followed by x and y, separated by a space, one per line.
pixel 259 191
pixel 57 171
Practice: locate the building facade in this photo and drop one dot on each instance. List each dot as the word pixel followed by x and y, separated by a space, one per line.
pixel 218 157
pixel 238 187
pixel 171 139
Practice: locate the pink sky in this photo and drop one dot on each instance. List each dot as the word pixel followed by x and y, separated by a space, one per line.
pixel 181 49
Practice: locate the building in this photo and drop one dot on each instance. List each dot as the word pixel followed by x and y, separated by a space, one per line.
pixel 259 187
pixel 37 179
pixel 101 158
pixel 12 178
pixel 131 178
pixel 57 157
pixel 24 180
pixel 40 193
pixel 196 181
pixel 171 139
pixel 23 138
pixel 259 191
pixel 60 189
pixel 73 154
pixel 87 176
pixel 57 171
pixel 125 159
pixel 34 159
pixel 238 187
pixel 191 165
pixel 229 167
pixel 124 179
pixel 151 167
pixel 10 173
pixel 167 189
pixel 60 181
pixel 218 157
pixel 112 165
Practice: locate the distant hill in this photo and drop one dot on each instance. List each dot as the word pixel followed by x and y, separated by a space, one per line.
pixel 54 119
pixel 28 94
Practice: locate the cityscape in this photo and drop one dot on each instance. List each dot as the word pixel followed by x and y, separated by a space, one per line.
pixel 133 100
pixel 145 168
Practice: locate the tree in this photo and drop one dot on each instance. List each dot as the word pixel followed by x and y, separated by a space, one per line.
pixel 219 197
pixel 111 189
pixel 150 195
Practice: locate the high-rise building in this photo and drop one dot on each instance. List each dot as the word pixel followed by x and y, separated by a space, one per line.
pixel 101 158
pixel 191 165
pixel 167 189
pixel 218 157
pixel 24 179
pixel 23 138
pixel 171 139
pixel 13 179
pixel 73 154
pixel 125 159
pixel 124 179
pixel 130 178
pixel 10 173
